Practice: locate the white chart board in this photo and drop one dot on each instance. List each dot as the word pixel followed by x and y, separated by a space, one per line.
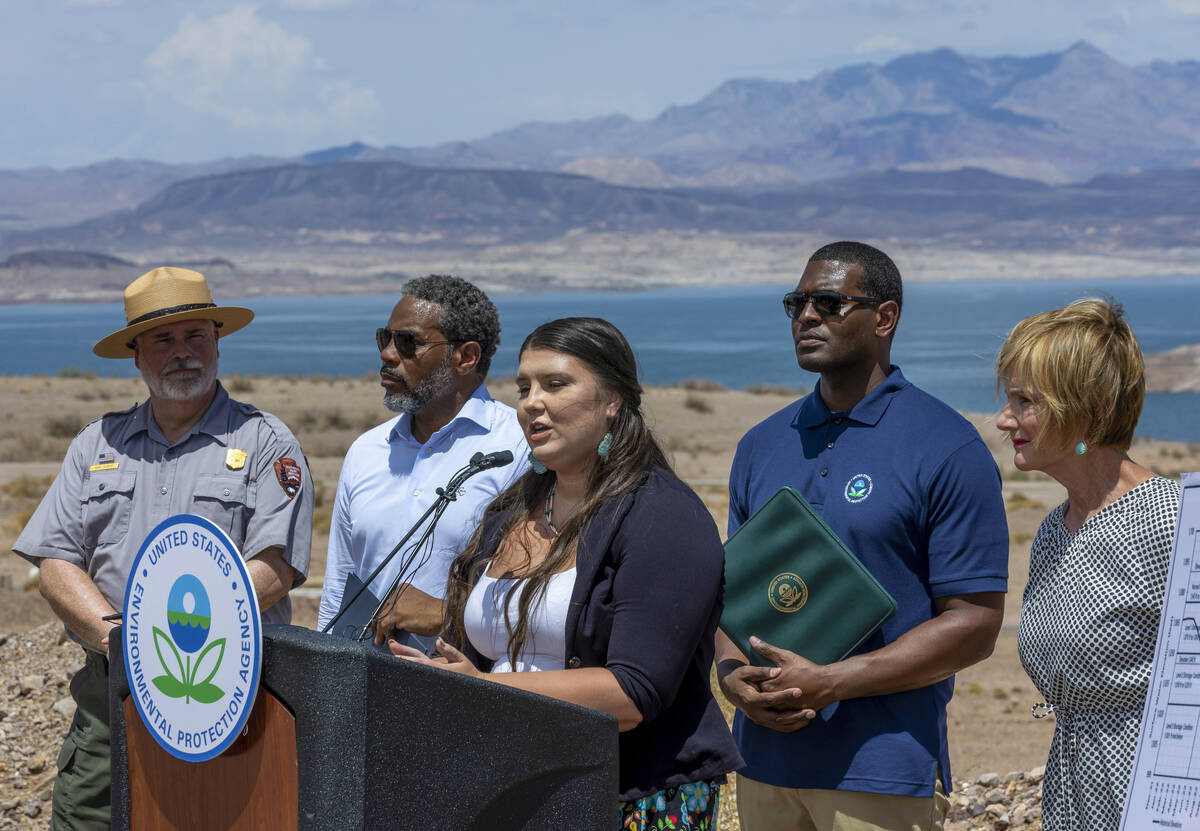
pixel 1164 791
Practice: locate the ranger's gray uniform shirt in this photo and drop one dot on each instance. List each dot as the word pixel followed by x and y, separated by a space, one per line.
pixel 121 478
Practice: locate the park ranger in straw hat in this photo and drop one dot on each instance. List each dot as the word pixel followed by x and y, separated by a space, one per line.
pixel 190 448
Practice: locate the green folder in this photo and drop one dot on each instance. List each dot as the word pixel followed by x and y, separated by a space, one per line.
pixel 790 581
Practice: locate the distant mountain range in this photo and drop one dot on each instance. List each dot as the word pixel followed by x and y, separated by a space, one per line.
pixel 1056 118
pixel 1063 116
pixel 40 196
pixel 396 204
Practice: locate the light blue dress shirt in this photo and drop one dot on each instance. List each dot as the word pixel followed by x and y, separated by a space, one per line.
pixel 389 480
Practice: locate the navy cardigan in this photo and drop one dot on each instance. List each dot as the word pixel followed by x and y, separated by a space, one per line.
pixel 647 598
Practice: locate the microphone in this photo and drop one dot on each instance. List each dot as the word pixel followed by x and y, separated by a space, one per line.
pixel 478 463
pixel 498 459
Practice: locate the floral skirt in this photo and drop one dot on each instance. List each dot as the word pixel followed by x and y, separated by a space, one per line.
pixel 691 806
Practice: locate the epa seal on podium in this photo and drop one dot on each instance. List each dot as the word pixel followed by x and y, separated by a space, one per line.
pixel 192 638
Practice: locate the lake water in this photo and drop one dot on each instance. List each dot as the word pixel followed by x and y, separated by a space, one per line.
pixel 947 341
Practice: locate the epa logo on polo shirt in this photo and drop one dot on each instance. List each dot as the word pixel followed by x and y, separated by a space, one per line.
pixel 858 488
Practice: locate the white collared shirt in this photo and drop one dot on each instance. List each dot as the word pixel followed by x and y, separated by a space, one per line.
pixel 389 480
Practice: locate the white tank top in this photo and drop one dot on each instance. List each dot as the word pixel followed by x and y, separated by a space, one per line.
pixel 546 644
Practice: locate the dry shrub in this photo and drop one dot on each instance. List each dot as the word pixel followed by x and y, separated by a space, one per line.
pixel 240 383
pixel 65 426
pixel 325 447
pixel 697 404
pixel 368 420
pixel 17 522
pixel 776 389
pixel 703 385
pixel 336 421
pixel 1172 472
pixel 322 520
pixel 1019 500
pixel 1015 475
pixel 27 487
pixel 318 487
pixel 33 449
pixel 312 420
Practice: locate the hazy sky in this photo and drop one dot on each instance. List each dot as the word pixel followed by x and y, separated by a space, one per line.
pixel 87 80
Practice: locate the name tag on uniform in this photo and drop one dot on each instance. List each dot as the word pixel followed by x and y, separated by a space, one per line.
pixel 235 459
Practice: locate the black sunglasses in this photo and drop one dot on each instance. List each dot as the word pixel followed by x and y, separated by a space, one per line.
pixel 406 342
pixel 825 303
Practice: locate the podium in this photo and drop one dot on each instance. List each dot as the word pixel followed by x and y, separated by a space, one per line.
pixel 343 736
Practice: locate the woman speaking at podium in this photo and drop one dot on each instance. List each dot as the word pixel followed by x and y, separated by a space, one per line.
pixel 1074 385
pixel 596 577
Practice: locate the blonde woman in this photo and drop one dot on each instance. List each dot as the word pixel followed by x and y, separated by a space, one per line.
pixel 1074 385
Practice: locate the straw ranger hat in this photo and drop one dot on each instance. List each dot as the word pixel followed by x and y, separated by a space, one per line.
pixel 167 295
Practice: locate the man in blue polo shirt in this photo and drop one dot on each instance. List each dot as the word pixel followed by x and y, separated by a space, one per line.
pixel 909 486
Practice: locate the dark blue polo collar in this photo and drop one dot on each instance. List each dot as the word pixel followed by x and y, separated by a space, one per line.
pixel 813 412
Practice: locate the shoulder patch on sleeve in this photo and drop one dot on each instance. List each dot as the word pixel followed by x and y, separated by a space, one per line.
pixel 290 475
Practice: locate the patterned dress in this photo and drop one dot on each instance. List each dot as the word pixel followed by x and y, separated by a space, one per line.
pixel 1089 620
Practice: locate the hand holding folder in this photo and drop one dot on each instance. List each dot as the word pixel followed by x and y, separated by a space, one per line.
pixel 790 581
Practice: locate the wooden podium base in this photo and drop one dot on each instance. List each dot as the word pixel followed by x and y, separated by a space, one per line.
pixel 252 785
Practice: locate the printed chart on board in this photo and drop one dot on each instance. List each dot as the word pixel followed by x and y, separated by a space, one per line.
pixel 1165 789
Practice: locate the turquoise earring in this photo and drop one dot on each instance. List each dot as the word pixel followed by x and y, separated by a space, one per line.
pixel 1080 449
pixel 605 447
pixel 537 466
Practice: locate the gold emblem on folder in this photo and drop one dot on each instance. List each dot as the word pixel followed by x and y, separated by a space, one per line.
pixel 787 592
pixel 235 459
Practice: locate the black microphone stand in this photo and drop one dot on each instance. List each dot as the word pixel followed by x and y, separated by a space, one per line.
pixel 444 497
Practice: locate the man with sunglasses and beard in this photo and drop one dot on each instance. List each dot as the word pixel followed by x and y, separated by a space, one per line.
pixel 189 449
pixel 909 486
pixel 435 353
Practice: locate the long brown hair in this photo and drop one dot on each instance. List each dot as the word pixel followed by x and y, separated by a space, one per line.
pixel 602 348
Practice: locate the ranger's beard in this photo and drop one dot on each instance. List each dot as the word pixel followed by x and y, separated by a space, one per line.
pixel 165 385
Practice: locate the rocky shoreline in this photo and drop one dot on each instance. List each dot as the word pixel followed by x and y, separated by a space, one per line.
pixel 1176 370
